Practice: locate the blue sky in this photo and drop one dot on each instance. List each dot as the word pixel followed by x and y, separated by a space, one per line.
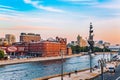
pixel 65 18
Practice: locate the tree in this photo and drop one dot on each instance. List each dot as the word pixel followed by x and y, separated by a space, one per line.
pixel 73 49
pixel 77 49
pixel 2 54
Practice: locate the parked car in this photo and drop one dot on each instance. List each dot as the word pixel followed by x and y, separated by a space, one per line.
pixel 111 69
pixel 114 58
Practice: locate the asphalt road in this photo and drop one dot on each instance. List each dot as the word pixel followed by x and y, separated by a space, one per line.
pixel 111 76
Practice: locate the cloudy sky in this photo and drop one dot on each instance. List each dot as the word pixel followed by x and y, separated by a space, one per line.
pixel 64 18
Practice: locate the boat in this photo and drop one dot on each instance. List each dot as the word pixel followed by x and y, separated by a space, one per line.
pixel 116 57
pixel 93 54
pixel 119 52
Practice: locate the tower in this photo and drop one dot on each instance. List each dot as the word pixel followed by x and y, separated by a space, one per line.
pixel 10 38
pixel 79 39
pixel 81 42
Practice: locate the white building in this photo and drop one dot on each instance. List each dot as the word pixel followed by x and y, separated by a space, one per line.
pixel 74 43
pixel 114 48
pixel 102 44
pixel 99 44
pixel 106 44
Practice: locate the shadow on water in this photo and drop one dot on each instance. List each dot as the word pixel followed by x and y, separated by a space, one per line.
pixel 2 66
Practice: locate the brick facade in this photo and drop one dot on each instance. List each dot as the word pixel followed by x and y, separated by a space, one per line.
pixel 30 37
pixel 49 48
pixel 45 48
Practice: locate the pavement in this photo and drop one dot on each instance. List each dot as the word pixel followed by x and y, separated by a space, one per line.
pixel 82 75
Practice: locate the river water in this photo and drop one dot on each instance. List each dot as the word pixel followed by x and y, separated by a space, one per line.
pixel 29 71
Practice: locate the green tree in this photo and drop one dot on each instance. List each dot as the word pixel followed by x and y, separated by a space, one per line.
pixel 106 50
pixel 78 50
pixel 2 54
pixel 73 49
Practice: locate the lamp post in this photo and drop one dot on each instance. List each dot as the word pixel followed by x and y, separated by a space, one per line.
pixel 91 47
pixel 61 53
pixel 110 56
pixel 103 51
pixel 90 61
pixel 102 64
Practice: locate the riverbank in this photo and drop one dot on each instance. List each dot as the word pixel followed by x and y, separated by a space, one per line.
pixel 26 60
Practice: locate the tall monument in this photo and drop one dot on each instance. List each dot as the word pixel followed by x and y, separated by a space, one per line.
pixel 91 45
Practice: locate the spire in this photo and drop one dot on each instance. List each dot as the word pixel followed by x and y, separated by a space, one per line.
pixel 78 37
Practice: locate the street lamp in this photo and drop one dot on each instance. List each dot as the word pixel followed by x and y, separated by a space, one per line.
pixel 90 61
pixel 61 53
pixel 110 56
pixel 102 64
pixel 103 51
pixel 91 45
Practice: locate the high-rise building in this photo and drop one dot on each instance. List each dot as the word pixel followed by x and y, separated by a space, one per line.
pixel 10 38
pixel 3 42
pixel 79 39
pixel 81 42
pixel 106 44
pixel 30 37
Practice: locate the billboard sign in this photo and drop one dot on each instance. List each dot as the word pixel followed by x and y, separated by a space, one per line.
pixel 12 49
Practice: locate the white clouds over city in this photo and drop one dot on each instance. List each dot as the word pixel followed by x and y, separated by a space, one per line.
pixel 38 5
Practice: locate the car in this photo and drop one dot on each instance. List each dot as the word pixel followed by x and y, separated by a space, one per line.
pixel 114 58
pixel 111 69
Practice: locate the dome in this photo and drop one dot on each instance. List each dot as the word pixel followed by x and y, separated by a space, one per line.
pixel 51 39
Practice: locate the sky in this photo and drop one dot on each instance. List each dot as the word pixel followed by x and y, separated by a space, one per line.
pixel 64 18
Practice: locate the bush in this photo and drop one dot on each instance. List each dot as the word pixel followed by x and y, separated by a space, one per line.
pixel 2 54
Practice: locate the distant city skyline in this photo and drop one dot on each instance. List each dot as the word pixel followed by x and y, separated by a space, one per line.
pixel 64 18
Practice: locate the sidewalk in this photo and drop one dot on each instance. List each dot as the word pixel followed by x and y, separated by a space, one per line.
pixel 80 75
pixel 85 75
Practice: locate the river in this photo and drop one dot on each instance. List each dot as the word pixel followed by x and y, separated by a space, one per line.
pixel 29 71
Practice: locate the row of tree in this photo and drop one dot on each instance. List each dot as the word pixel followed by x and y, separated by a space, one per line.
pixel 78 49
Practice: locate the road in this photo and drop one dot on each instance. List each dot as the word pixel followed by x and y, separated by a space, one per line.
pixel 111 76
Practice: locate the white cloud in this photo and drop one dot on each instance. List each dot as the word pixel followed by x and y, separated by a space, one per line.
pixel 113 4
pixel 39 6
pixel 6 10
pixel 109 6
pixel 76 0
pixel 10 13
pixel 9 7
pixel 85 2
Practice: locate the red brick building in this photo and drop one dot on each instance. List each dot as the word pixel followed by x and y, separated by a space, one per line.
pixel 47 48
pixel 69 51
